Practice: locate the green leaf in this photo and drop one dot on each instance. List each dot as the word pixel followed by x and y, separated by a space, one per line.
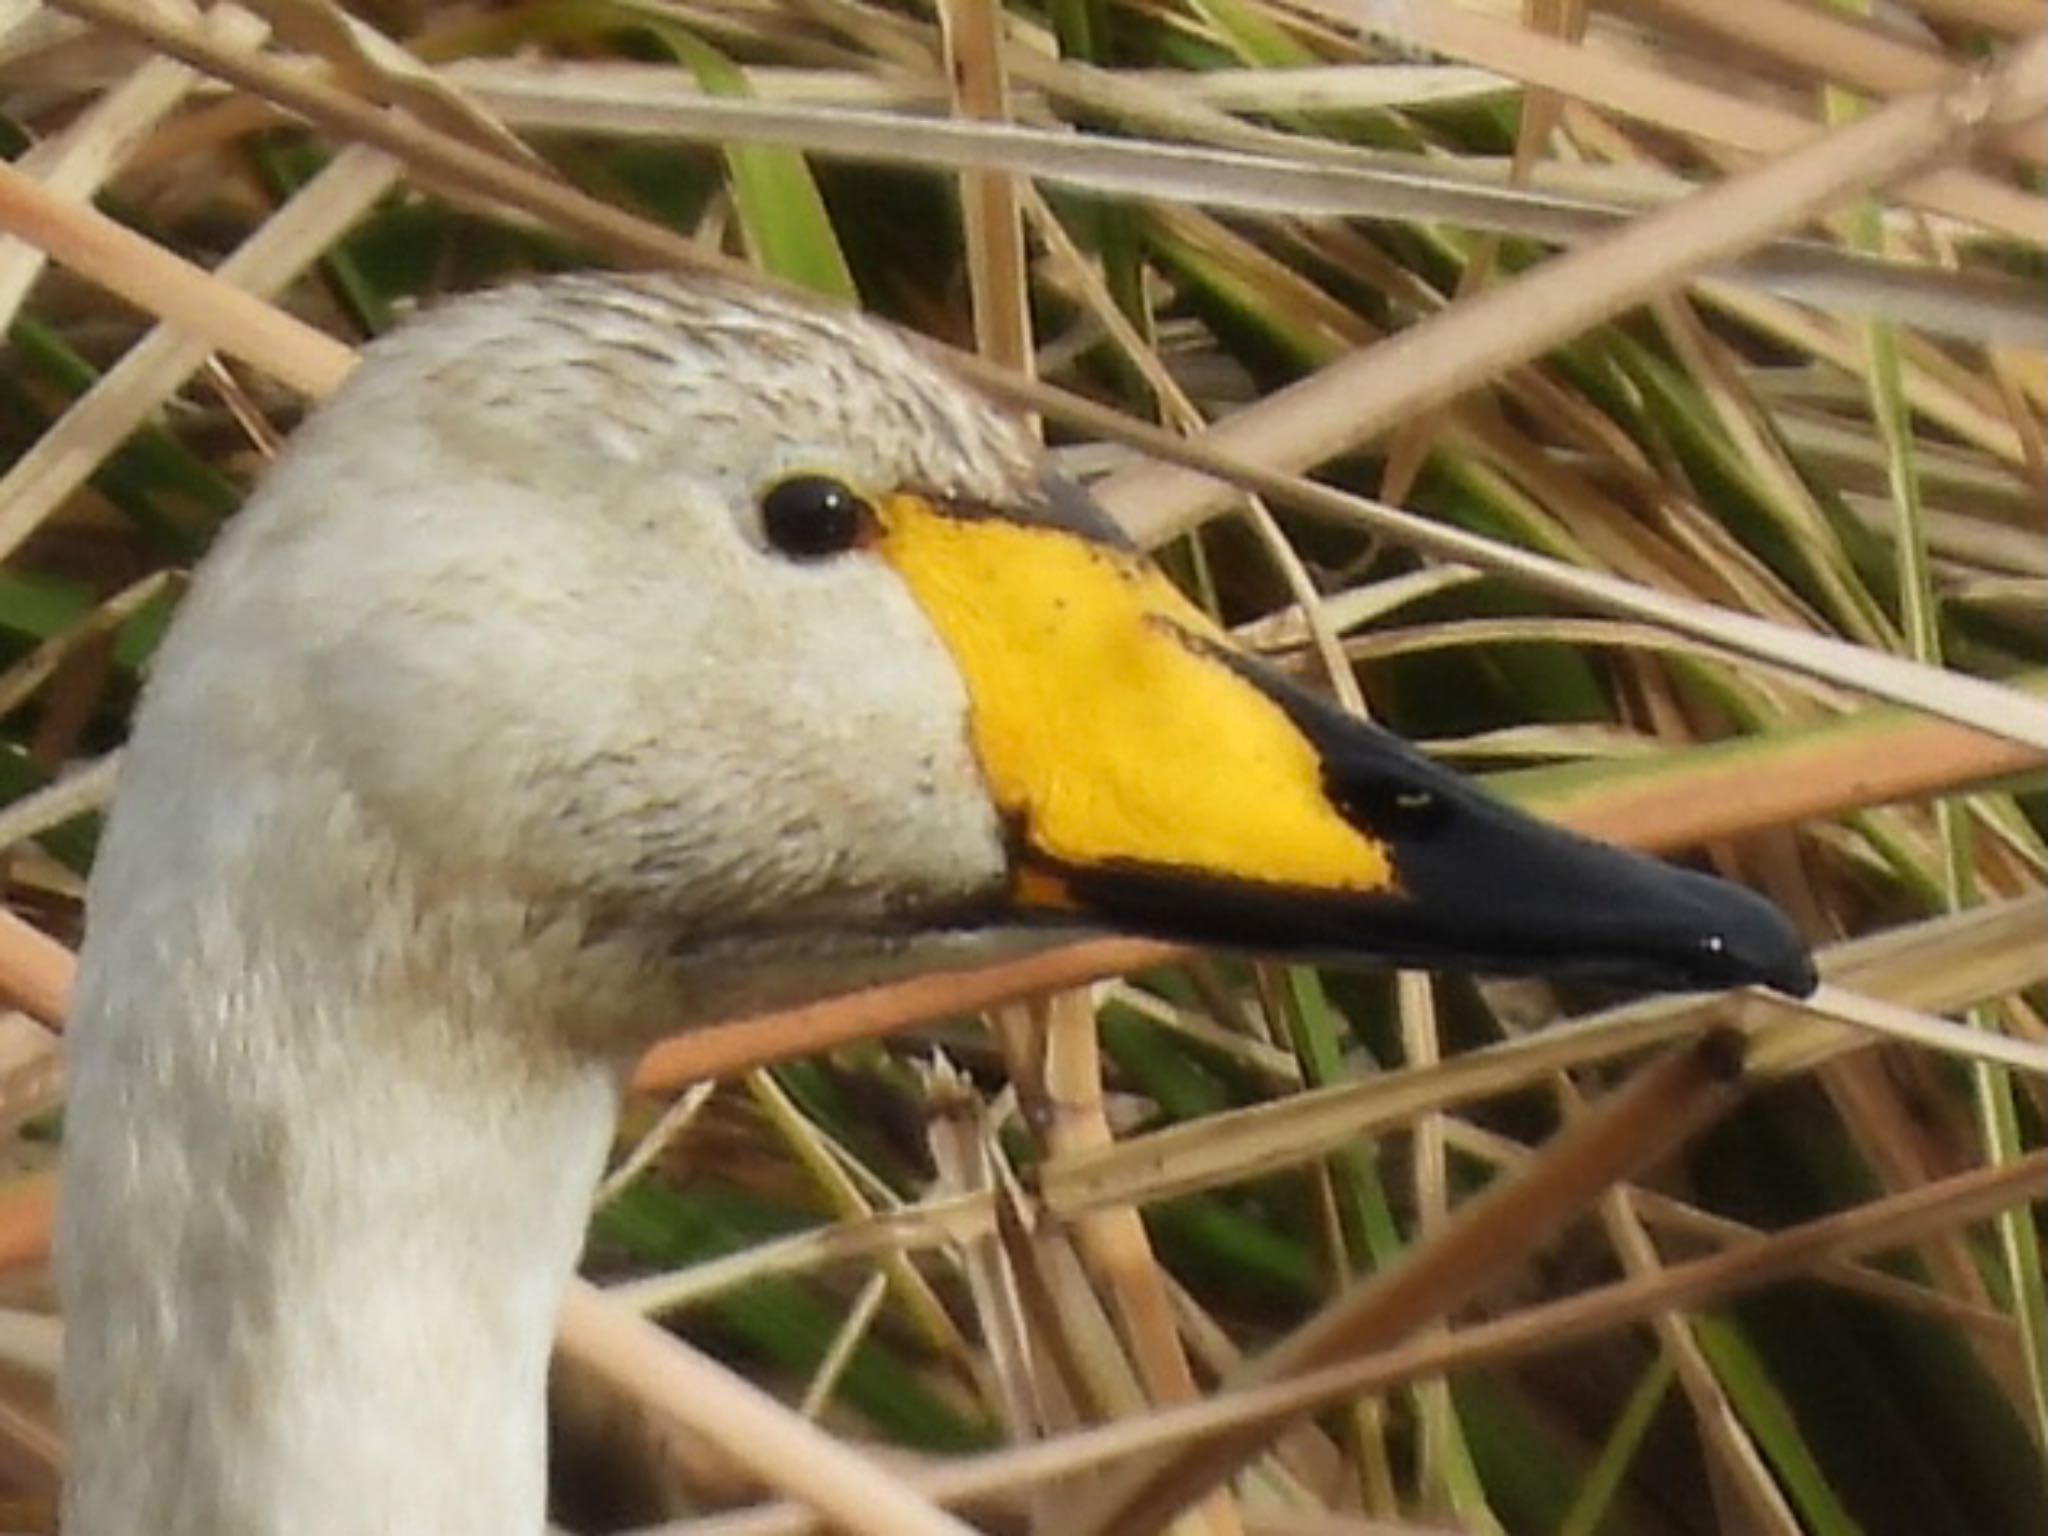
pixel 787 226
pixel 1773 1426
pixel 1603 1482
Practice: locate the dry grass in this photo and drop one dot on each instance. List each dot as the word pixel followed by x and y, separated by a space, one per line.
pixel 1672 377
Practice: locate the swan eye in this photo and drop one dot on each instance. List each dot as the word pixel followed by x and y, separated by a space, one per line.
pixel 808 517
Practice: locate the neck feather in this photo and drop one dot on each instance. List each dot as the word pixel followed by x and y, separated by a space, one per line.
pixel 323 1195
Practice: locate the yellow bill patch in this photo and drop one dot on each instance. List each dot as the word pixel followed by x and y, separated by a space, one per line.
pixel 1101 731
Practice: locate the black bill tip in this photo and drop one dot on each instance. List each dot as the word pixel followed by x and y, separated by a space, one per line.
pixel 1745 941
pixel 1480 879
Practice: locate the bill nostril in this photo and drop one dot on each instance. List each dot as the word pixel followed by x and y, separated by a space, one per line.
pixel 1389 807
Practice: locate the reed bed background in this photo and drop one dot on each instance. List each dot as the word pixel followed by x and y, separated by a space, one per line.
pixel 1672 377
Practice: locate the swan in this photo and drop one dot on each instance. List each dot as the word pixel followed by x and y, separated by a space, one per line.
pixel 615 654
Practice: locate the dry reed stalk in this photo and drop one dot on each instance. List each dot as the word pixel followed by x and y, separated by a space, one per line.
pixel 1832 48
pixel 1654 95
pixel 1949 963
pixel 1661 1108
pixel 291 240
pixel 1673 1216
pixel 781 1448
pixel 989 213
pixel 1895 1221
pixel 77 163
pixel 160 283
pixel 1352 401
pixel 1651 252
pixel 1113 1242
pixel 1737 1463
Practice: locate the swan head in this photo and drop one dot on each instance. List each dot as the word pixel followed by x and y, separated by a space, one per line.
pixel 742 639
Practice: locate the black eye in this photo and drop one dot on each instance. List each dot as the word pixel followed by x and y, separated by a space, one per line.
pixel 808 517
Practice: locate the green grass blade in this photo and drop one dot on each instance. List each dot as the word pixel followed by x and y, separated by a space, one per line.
pixel 1603 1481
pixel 1773 1426
pixel 787 225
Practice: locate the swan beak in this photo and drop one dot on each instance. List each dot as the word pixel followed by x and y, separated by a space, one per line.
pixel 1157 780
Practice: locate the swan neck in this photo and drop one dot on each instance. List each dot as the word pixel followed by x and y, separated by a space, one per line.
pixel 313 1258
